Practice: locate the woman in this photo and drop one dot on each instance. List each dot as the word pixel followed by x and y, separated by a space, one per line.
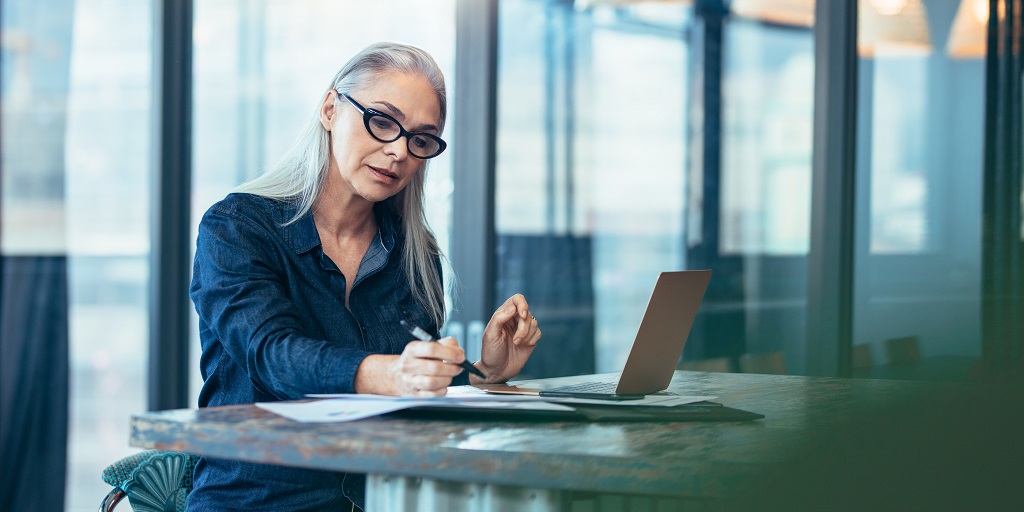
pixel 302 276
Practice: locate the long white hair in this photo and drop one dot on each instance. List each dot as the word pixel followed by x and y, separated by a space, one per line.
pixel 300 175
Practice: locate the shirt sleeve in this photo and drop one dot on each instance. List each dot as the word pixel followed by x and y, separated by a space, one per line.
pixel 239 290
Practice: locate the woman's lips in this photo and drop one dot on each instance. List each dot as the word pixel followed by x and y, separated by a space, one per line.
pixel 384 174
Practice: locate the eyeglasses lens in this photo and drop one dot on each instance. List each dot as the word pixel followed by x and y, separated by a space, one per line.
pixel 384 128
pixel 387 130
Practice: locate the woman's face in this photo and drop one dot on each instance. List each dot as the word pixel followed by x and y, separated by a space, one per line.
pixel 367 168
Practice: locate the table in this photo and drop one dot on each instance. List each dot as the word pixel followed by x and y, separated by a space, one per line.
pixel 811 425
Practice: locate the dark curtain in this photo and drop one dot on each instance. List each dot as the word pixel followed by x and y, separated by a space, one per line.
pixel 33 382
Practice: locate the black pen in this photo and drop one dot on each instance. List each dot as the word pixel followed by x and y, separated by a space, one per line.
pixel 423 335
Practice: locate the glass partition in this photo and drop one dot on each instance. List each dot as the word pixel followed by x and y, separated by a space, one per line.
pixel 640 137
pixel 756 317
pixel 919 190
pixel 590 182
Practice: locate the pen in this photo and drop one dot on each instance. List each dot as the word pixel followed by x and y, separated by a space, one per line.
pixel 423 335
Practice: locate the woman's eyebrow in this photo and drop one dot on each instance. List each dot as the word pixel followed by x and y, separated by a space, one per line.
pixel 398 114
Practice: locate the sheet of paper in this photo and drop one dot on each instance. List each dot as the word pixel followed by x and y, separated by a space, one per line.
pixel 454 393
pixel 355 407
pixel 333 410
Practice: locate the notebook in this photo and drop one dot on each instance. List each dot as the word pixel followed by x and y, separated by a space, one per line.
pixel 656 349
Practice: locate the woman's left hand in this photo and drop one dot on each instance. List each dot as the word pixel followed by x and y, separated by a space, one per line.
pixel 508 341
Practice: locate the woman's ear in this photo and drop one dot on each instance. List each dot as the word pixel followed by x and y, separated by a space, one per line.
pixel 327 110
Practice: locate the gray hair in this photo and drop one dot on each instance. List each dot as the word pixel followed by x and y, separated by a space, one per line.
pixel 301 173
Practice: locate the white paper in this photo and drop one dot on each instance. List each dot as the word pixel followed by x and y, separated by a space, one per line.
pixel 333 410
pixel 355 407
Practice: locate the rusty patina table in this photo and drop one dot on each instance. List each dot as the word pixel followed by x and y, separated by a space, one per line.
pixel 489 465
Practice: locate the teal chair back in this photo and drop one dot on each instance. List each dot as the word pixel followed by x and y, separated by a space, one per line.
pixel 153 481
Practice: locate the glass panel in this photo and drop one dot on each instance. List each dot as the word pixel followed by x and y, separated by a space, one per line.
pixel 260 67
pixel 767 133
pixel 899 185
pixel 610 170
pixel 919 186
pixel 77 87
pixel 109 155
pixel 755 318
pixel 592 109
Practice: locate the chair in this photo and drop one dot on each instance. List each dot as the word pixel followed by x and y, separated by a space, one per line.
pixel 902 350
pixel 861 358
pixel 714 364
pixel 771 363
pixel 153 481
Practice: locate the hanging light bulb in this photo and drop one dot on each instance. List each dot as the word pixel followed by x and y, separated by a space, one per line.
pixel 888 7
pixel 892 27
pixel 798 13
pixel 980 10
pixel 967 37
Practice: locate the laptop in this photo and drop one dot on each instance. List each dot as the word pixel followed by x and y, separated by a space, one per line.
pixel 656 349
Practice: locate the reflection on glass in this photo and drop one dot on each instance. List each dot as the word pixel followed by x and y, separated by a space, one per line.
pixel 606 176
pixel 767 92
pixel 899 185
pixel 590 170
pixel 919 159
pixel 755 188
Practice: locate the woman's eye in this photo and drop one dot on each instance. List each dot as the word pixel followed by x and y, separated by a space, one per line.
pixel 382 123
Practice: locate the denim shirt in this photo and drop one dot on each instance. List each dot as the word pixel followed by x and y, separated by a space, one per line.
pixel 273 326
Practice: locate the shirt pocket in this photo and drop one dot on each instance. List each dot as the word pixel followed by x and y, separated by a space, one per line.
pixel 392 336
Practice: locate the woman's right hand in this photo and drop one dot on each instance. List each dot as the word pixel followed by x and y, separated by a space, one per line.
pixel 423 369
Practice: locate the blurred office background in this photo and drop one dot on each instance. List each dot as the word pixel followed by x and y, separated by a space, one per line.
pixel 850 171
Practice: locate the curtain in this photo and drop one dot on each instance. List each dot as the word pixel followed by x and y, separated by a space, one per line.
pixel 33 382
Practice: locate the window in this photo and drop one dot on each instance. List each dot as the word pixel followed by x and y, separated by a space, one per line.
pixel 919 157
pixel 767 108
pixel 606 174
pixel 590 170
pixel 77 149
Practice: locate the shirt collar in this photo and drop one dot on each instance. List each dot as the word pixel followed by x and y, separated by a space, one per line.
pixel 303 236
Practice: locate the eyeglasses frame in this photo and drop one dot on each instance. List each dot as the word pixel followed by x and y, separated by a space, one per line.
pixel 369 113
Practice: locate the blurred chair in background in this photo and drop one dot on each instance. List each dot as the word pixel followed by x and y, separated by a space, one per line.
pixel 714 364
pixel 861 357
pixel 772 363
pixel 902 350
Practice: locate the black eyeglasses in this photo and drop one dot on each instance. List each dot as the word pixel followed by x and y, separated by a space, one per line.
pixel 386 129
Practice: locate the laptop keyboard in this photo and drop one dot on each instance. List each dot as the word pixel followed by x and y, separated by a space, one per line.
pixel 588 387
